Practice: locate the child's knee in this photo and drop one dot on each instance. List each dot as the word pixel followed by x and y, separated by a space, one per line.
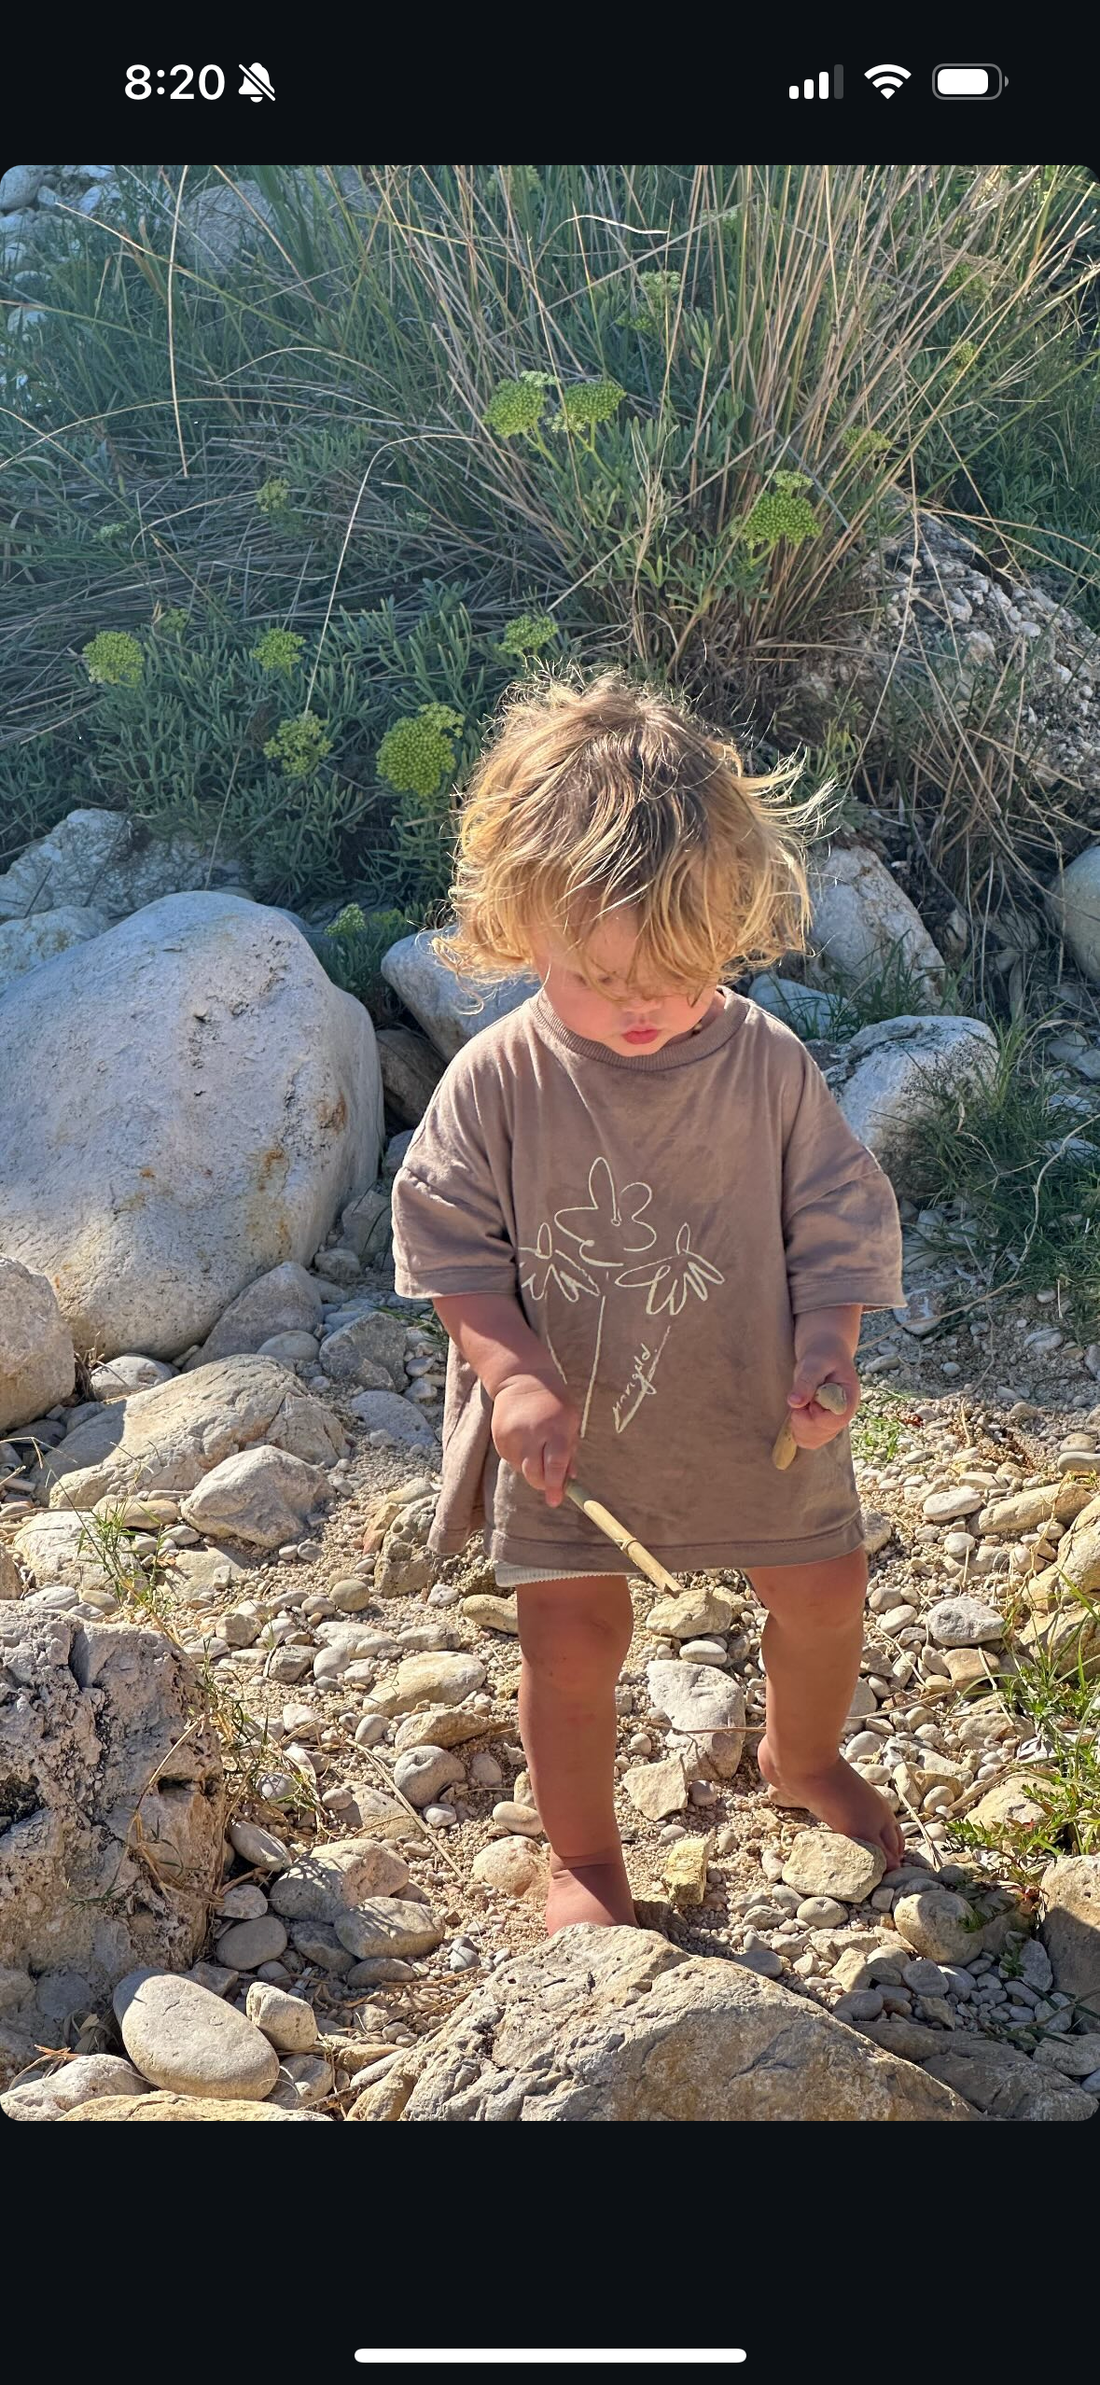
pixel 574 1639
pixel 818 1598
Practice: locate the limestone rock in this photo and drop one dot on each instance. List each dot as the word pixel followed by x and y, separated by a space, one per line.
pixel 258 1848
pixel 695 1698
pixel 288 2022
pixel 37 1366
pixel 220 222
pixel 824 1863
pixel 953 1929
pixel 99 860
pixel 964 1623
pixel 886 1074
pixel 384 1925
pixel 26 943
pixel 1008 1806
pixel 337 1877
pixel 186 2040
pixel 11 1580
pixel 684 1870
pixel 247 1944
pixel 946 1507
pixel 450 1009
pixel 617 2024
pixel 445 1726
pixel 365 1225
pixel 512 1865
pixel 205 1100
pixel 431 1677
pixel 59 1548
pixel 262 1496
pixel 1076 904
pixel 130 1371
pixel 115 1809
pixel 169 1438
pixel 805 1008
pixel 422 1774
pixel 184 2107
pixel 372 1341
pixel 657 1789
pixel 1005 2083
pixel 690 1616
pixel 1070 1890
pixel 862 921
pixel 1028 1511
pixel 284 1299
pixel 411 1070
pixel 492 1614
pixel 91 2075
pixel 388 1412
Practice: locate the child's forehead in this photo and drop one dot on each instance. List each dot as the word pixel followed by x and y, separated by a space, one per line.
pixel 609 945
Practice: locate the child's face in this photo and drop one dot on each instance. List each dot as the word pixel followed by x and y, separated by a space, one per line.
pixel 638 1019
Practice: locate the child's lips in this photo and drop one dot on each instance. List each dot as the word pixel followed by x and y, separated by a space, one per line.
pixel 640 1034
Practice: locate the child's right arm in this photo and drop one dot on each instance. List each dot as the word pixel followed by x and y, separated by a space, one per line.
pixel 535 1425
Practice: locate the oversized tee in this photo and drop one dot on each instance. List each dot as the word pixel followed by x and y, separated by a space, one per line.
pixel 661 1218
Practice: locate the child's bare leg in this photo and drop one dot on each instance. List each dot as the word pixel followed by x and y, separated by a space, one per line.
pixel 574 1636
pixel 812 1643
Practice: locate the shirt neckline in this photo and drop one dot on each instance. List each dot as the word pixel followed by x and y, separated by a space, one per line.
pixel 697 1045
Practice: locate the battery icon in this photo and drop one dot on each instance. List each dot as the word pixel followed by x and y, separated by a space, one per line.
pixel 968 82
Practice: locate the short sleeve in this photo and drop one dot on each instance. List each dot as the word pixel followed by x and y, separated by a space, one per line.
pixel 451 1200
pixel 840 1218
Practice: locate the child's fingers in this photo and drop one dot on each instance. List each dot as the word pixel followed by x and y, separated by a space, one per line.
pixel 555 1466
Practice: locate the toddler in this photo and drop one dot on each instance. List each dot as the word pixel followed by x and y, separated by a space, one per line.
pixel 650 1235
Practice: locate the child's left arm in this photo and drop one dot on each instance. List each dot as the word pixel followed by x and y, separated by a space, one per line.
pixel 825 1343
pixel 842 1237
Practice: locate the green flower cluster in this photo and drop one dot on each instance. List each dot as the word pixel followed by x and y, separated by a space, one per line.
pixel 278 650
pixel 273 497
pixel 659 292
pixel 108 531
pixel 517 406
pixel 172 622
pixel 114 659
pixel 588 402
pixel 299 745
pixel 417 752
pixel 524 178
pixel 861 440
pixel 527 634
pixel 782 512
pixel 964 354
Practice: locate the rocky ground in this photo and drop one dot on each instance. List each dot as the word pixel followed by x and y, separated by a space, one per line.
pixel 383 1856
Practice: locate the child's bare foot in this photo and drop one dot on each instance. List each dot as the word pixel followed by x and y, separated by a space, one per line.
pixel 841 1800
pixel 598 1892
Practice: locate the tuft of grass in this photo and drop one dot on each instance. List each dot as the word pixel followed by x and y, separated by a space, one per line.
pixel 875 1433
pixel 1060 1697
pixel 1019 1157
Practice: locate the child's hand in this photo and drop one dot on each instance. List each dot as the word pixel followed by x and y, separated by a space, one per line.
pixel 536 1430
pixel 811 1424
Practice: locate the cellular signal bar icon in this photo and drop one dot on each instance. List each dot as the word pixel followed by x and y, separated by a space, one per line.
pixel 818 86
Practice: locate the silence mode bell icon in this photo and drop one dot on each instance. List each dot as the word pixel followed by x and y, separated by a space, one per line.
pixel 256 83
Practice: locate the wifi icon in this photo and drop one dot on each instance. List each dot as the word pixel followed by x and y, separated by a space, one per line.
pixel 887 79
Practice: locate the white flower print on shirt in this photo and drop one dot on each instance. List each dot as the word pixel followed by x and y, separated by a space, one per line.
pixel 611 1233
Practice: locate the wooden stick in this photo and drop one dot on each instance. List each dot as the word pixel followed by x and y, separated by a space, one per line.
pixel 623 1539
pixel 830 1396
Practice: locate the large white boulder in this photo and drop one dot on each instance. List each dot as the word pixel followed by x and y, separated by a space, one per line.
pixel 26 943
pixel 888 1075
pixel 1075 901
pixel 204 1102
pixel 37 1367
pixel 450 1009
pixel 98 860
pixel 863 923
pixel 167 1439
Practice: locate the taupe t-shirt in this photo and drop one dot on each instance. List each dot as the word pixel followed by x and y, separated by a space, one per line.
pixel 661 1219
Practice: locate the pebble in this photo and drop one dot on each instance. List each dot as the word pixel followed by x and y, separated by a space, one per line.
pixel 247 1944
pixel 421 1772
pixel 762 1959
pixel 657 1789
pixel 388 1926
pixel 944 1507
pixel 863 2004
pixel 288 2022
pixel 242 1904
pixel 964 1623
pixel 825 1863
pixel 512 1865
pixel 303 2079
pixel 322 1886
pixel 517 1819
pixel 821 1912
pixel 924 1977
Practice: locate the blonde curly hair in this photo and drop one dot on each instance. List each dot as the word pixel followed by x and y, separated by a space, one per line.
pixel 596 796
